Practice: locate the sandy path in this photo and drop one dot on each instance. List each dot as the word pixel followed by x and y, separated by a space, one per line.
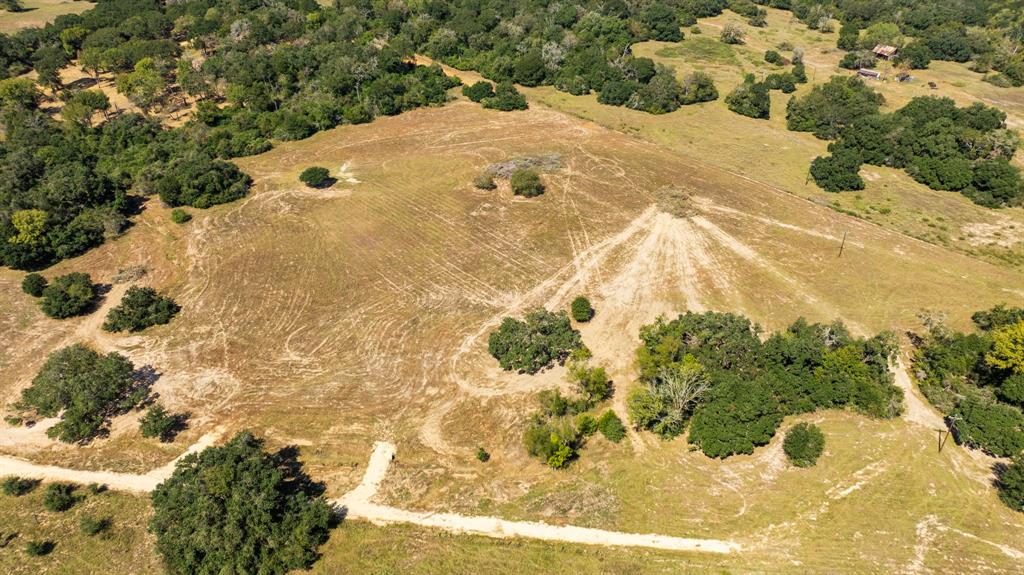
pixel 120 481
pixel 918 411
pixel 358 505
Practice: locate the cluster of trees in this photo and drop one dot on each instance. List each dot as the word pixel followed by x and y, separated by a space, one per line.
pixel 505 97
pixel 977 381
pixel 85 389
pixel 238 509
pixel 280 71
pixel 141 307
pixel 752 98
pixel 991 34
pixel 967 150
pixel 711 373
pixel 536 342
pixel 560 428
pixel 67 296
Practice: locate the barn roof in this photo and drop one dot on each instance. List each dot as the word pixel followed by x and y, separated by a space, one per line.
pixel 885 50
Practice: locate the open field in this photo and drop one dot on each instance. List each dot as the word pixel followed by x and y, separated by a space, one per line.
pixel 766 151
pixel 333 318
pixel 38 13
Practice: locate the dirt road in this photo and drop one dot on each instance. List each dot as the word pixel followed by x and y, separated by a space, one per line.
pixel 358 505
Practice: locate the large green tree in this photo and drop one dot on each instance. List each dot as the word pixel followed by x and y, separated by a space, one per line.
pixel 239 509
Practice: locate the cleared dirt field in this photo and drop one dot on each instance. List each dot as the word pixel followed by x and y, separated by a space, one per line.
pixel 333 318
pixel 38 13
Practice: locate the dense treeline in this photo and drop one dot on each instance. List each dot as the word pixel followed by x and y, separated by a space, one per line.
pixel 977 379
pixel 966 150
pixel 712 373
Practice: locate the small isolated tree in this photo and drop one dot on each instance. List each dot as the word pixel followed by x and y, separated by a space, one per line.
pixel 90 525
pixel 773 57
pixel 592 382
pixel 506 98
pixel 180 216
pixel 33 284
pixel 315 176
pixel 482 456
pixel 68 295
pixel 526 183
pixel 158 422
pixel 17 486
pixel 484 181
pixel 239 509
pixel 581 309
pixel 732 34
pixel 1011 484
pixel 140 308
pixel 59 497
pixel 37 548
pixel 611 426
pixel 479 91
pixel 803 445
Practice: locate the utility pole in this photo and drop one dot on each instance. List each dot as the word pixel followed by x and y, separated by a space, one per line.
pixel 842 245
pixel 943 436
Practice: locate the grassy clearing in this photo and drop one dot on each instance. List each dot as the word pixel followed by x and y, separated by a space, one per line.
pixel 38 13
pixel 723 139
pixel 126 546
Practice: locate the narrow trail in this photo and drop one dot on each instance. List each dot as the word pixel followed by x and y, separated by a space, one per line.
pixel 134 483
pixel 358 505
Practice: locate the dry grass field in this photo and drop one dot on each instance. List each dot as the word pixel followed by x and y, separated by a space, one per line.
pixel 330 318
pixel 38 13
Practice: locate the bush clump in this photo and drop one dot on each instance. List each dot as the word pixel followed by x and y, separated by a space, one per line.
pixel 90 525
pixel 484 182
pixel 315 176
pixel 68 296
pixel 611 426
pixel 482 456
pixel 506 98
pixel 140 308
pixel 581 309
pixel 33 284
pixel 17 486
pixel 803 445
pixel 37 548
pixel 534 343
pixel 1011 484
pixel 750 99
pixel 773 57
pixel 180 216
pixel 479 91
pixel 59 497
pixel 160 423
pixel 526 182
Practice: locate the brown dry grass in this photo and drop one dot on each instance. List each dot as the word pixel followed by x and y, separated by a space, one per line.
pixel 38 13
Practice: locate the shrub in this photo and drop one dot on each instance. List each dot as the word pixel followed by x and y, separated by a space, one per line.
pixel 37 548
pixel 750 99
pixel 90 525
pixel 33 284
pixel 996 428
pixel 59 497
pixel 740 416
pixel 238 509
pixel 698 87
pixel 1010 483
pixel 479 91
pixel 534 343
pixel 140 308
pixel 526 183
pixel 68 295
pixel 592 382
pixel 180 216
pixel 581 309
pixel 158 422
pixel 482 456
pixel 555 442
pixel 732 34
pixel 773 57
pixel 803 445
pixel 315 176
pixel 586 424
pixel 484 182
pixel 506 98
pixel 84 388
pixel 611 426
pixel 18 486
